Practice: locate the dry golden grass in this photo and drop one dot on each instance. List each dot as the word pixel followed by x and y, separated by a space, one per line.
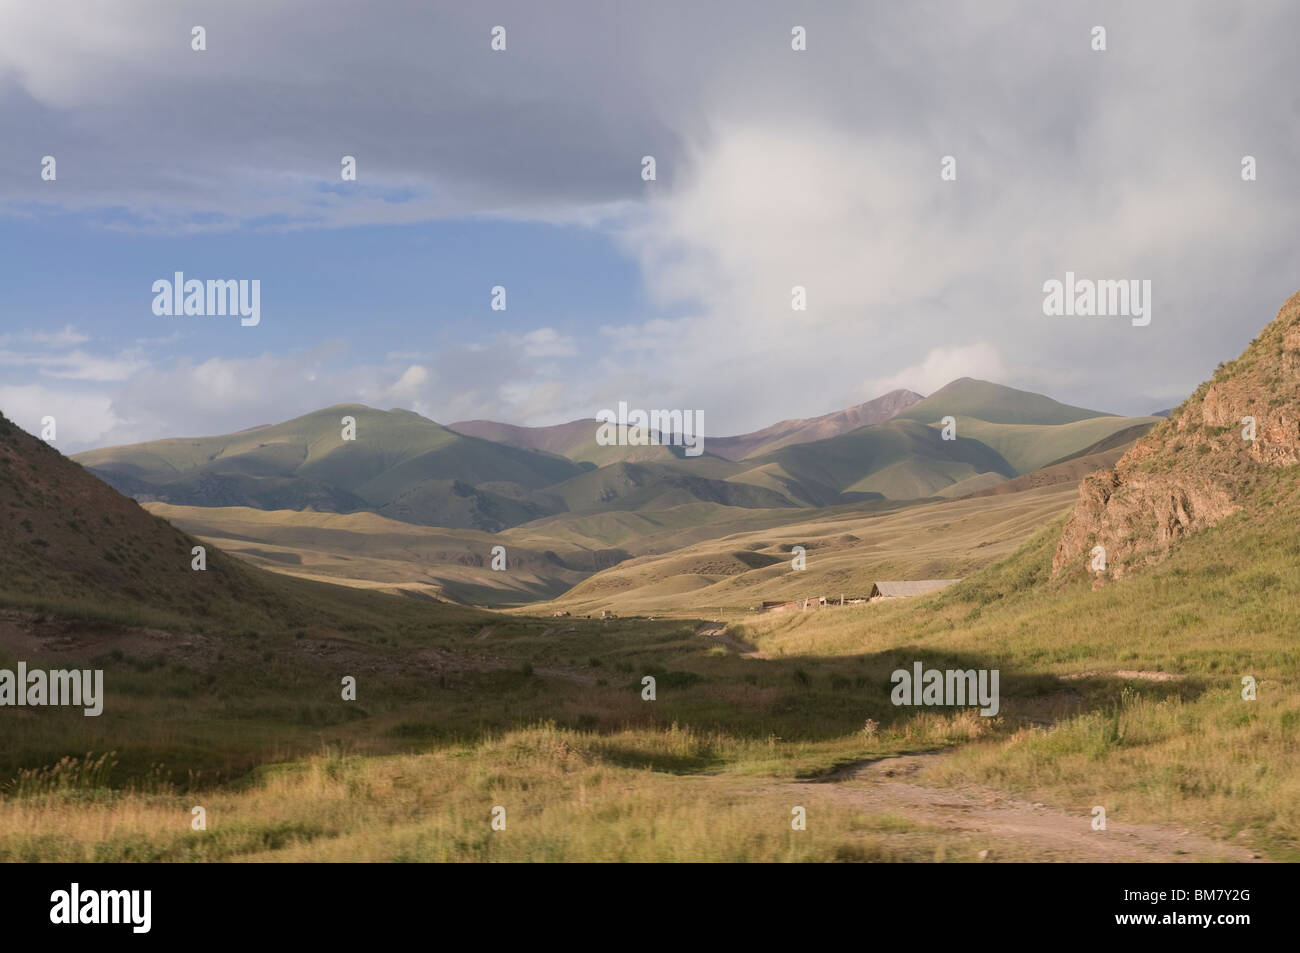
pixel 568 796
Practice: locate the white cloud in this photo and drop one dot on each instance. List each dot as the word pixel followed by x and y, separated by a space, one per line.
pixel 942 366
pixel 67 337
pixel 775 169
pixel 82 419
pixel 184 396
pixel 410 386
pixel 547 342
pixel 74 365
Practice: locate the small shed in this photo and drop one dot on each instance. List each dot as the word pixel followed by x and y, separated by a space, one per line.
pixel 910 587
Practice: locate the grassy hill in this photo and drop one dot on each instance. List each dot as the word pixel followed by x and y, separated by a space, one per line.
pixel 576 439
pixel 649 486
pixel 805 430
pixel 1029 447
pixel 1135 688
pixel 75 547
pixel 1027 430
pixel 995 404
pixel 400 464
pixel 846 550
pixel 900 459
pixel 1001 433
pixel 544 558
pixel 570 508
pixel 369 551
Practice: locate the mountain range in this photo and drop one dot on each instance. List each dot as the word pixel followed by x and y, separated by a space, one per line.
pixel 490 476
pixel 576 438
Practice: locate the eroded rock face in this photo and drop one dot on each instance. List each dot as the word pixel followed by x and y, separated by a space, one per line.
pixel 1197 467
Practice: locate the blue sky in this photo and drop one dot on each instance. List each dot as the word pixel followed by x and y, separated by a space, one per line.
pixel 818 168
pixel 382 288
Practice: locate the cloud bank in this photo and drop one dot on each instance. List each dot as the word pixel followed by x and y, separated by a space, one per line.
pixel 776 169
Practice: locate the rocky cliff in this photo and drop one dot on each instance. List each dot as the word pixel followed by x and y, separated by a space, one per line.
pixel 1201 465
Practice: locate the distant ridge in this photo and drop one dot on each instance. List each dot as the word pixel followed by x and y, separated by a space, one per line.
pixel 487 476
pixel 789 432
pixel 996 404
pixel 576 438
pixel 400 465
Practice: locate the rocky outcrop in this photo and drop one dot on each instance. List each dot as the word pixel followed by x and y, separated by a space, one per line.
pixel 1199 466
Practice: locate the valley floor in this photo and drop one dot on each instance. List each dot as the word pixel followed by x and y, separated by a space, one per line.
pixel 1126 697
pixel 390 786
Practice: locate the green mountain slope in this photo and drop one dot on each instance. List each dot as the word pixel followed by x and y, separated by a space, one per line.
pixel 846 550
pixel 900 459
pixel 634 486
pixel 557 483
pixel 994 404
pixel 806 430
pixel 399 463
pixel 73 546
pixel 576 439
pixel 1027 447
pixel 1027 430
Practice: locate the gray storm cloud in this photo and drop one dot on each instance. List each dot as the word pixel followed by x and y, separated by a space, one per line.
pixel 776 169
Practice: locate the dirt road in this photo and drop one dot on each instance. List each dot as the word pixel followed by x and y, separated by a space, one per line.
pixel 716 632
pixel 1006 827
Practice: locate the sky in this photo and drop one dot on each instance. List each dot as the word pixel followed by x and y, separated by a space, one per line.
pixel 522 168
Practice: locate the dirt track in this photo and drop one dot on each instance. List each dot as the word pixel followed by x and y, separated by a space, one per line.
pixel 1007 827
pixel 716 632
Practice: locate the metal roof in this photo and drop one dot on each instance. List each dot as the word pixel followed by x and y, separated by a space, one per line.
pixel 911 587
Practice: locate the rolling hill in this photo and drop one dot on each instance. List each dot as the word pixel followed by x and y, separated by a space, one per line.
pixel 567 508
pixel 400 465
pixel 995 404
pixel 806 430
pixel 488 476
pixel 1001 433
pixel 75 547
pixel 576 439
pixel 368 551
pixel 899 459
pixel 846 550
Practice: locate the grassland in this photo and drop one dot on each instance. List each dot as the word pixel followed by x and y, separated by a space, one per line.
pixel 691 558
pixel 846 550
pixel 545 718
pixel 223 690
pixel 1187 751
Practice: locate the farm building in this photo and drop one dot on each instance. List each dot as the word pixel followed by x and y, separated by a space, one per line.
pixel 802 605
pixel 911 587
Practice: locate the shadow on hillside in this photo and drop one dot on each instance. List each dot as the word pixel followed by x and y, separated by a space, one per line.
pixel 216 707
pixel 814 698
